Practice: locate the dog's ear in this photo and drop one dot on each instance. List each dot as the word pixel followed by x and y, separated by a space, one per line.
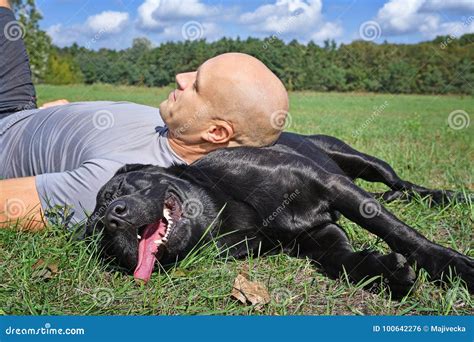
pixel 132 167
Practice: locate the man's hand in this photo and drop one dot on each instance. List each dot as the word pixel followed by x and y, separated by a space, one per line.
pixel 54 103
pixel 20 204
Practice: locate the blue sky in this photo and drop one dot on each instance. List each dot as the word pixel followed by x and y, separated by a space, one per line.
pixel 114 23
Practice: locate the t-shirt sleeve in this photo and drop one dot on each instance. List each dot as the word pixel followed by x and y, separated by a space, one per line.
pixel 76 189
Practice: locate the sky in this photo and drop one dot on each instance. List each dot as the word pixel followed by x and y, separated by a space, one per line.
pixel 115 23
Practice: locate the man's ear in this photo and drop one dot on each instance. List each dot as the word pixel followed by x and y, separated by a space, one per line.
pixel 219 132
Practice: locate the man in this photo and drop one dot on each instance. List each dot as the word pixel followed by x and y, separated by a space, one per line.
pixel 62 154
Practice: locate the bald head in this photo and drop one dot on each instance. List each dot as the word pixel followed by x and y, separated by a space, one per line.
pixel 232 99
pixel 250 95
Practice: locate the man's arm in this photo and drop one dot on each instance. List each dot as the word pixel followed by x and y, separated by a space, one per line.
pixel 5 3
pixel 54 103
pixel 19 200
pixel 20 203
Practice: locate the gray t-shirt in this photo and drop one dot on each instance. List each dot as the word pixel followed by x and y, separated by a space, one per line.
pixel 76 148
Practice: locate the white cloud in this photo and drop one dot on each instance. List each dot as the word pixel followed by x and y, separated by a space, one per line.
pixel 95 32
pixel 285 16
pixel 443 5
pixel 398 17
pixel 453 28
pixel 327 31
pixel 145 14
pixel 158 14
pixel 62 36
pixel 108 22
pixel 167 20
pixel 302 17
pixel 192 30
pixel 401 16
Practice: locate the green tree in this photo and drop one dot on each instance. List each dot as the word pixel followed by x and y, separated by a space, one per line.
pixel 62 70
pixel 426 67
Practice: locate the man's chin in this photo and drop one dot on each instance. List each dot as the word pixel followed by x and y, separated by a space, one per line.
pixel 163 107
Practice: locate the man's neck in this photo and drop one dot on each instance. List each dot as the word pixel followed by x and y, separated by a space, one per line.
pixel 188 153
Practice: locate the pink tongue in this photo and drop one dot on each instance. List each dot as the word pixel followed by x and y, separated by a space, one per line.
pixel 147 249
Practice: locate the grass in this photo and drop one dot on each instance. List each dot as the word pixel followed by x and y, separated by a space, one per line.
pixel 410 132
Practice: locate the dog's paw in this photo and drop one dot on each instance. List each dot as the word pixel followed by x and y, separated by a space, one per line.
pixel 397 274
pixel 463 266
pixel 442 262
pixel 444 197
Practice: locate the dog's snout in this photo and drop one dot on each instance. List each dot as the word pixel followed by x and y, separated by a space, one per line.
pixel 116 215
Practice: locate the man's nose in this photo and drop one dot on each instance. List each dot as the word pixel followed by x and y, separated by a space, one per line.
pixel 116 216
pixel 185 79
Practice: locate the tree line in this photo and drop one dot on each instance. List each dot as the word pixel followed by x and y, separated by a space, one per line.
pixel 441 66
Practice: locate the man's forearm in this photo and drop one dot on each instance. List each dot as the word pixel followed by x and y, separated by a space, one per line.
pixel 5 3
pixel 20 204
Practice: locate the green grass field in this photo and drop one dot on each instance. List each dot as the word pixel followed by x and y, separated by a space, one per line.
pixel 410 132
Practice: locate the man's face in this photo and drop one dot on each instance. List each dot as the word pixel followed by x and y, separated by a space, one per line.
pixel 185 112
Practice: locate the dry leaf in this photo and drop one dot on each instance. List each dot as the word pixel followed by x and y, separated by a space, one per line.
pixel 38 264
pixel 53 268
pixel 42 274
pixel 247 291
pixel 43 271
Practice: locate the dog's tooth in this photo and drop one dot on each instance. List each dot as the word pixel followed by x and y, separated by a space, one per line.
pixel 167 214
pixel 139 237
pixel 164 239
pixel 158 242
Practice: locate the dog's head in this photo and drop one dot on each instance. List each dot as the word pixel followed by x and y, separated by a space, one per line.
pixel 148 214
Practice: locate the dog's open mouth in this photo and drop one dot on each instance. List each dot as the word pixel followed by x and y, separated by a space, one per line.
pixel 152 238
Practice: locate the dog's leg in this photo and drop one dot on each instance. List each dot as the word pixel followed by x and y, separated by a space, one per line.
pixel 435 197
pixel 360 165
pixel 358 206
pixel 330 247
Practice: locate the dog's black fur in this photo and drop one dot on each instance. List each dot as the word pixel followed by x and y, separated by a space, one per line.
pixel 286 197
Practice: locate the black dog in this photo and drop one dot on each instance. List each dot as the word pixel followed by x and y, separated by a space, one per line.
pixel 286 197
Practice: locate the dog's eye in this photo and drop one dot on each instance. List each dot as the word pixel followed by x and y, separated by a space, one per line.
pixel 111 193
